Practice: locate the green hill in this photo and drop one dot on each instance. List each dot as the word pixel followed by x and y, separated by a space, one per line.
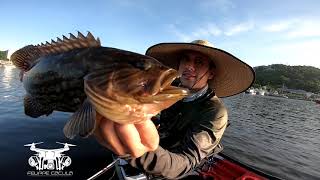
pixel 294 77
pixel 4 55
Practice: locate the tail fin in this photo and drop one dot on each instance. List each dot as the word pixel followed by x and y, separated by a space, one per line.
pixel 25 57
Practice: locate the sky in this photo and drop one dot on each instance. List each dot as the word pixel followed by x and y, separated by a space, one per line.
pixel 258 32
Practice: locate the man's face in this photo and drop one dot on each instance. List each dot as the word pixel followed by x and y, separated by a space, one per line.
pixel 194 70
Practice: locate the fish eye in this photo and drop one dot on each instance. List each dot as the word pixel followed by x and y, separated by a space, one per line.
pixel 143 65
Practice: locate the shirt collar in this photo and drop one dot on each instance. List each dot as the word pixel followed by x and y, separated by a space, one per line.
pixel 196 95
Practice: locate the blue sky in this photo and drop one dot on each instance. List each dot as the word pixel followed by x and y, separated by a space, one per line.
pixel 257 32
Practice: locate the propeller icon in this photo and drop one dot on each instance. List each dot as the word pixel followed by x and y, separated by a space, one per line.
pixel 66 144
pixel 33 144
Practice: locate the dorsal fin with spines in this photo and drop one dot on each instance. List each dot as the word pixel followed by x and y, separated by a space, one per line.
pixel 25 57
pixel 68 44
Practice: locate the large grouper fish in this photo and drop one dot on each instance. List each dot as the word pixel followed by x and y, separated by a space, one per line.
pixel 77 74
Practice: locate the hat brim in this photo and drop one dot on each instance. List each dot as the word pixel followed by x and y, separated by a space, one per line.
pixel 232 76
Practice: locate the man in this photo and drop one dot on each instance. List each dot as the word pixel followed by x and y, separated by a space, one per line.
pixel 191 129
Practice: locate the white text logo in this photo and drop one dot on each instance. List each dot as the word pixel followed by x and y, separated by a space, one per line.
pixel 49 159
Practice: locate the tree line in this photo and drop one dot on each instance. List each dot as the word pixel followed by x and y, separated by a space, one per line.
pixel 293 77
pixel 3 55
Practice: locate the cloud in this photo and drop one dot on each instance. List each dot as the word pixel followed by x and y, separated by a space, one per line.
pixel 202 32
pixel 182 36
pixel 305 29
pixel 210 30
pixel 295 28
pixel 207 30
pixel 239 28
pixel 305 52
pixel 278 26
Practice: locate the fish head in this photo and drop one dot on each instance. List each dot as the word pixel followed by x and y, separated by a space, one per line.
pixel 144 78
pixel 133 89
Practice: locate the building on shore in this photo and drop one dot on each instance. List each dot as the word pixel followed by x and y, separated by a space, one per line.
pixel 297 92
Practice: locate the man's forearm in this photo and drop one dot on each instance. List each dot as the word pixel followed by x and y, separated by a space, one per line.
pixel 161 162
pixel 184 159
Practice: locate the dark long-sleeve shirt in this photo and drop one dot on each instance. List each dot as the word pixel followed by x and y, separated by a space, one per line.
pixel 189 132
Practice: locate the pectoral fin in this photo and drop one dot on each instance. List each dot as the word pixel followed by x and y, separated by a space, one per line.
pixel 34 108
pixel 82 122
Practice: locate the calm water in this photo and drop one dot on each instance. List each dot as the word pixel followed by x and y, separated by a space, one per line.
pixel 278 136
pixel 18 129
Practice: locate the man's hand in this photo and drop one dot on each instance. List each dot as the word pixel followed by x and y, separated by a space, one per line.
pixel 122 139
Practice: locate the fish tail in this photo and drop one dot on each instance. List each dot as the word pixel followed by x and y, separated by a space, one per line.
pixel 26 57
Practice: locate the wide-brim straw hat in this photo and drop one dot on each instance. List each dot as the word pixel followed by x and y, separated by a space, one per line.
pixel 231 75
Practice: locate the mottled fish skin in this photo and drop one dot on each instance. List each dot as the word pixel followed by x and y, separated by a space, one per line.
pixel 77 75
pixel 56 81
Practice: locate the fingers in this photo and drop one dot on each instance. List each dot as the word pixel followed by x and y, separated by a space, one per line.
pixel 122 139
pixel 148 134
pixel 98 136
pixel 130 137
pixel 108 137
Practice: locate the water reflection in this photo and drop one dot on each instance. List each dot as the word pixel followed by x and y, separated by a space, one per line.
pixel 11 89
pixel 7 76
pixel 18 129
pixel 276 135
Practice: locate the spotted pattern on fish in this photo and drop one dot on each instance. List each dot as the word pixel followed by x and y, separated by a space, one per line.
pixel 77 75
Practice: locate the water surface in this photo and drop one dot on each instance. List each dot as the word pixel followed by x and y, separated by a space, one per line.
pixel 276 135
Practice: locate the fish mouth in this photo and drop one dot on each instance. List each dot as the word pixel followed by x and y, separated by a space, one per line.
pixel 162 89
pixel 164 81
